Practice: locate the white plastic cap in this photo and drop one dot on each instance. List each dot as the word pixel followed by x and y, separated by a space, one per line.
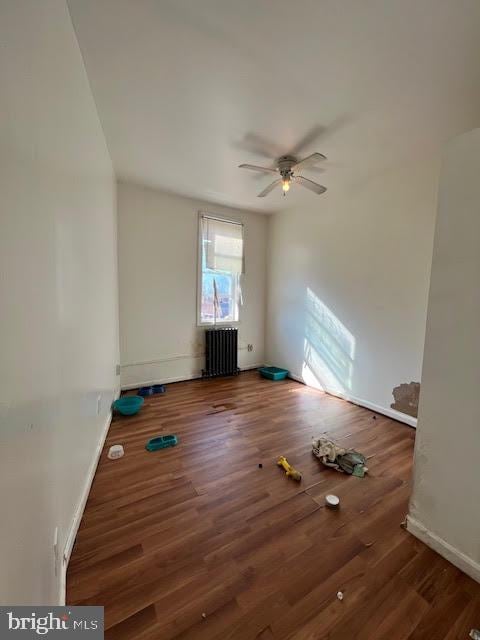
pixel 115 451
pixel 331 500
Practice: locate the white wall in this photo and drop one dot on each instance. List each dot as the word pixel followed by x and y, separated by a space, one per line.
pixel 444 508
pixel 157 253
pixel 348 285
pixel 58 291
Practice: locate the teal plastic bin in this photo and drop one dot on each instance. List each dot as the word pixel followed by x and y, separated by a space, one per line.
pixel 161 442
pixel 273 373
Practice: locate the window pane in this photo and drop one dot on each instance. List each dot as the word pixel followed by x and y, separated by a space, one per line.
pixel 226 309
pixel 221 263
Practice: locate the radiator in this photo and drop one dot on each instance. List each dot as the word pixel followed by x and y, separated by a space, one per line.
pixel 221 352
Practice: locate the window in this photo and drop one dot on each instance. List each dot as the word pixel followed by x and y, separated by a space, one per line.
pixel 221 266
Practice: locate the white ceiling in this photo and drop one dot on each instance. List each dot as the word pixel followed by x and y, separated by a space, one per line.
pixel 187 89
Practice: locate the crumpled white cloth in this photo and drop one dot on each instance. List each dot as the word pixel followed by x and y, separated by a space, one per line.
pixel 345 460
pixel 327 450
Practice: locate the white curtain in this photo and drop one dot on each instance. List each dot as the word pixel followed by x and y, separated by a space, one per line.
pixel 223 245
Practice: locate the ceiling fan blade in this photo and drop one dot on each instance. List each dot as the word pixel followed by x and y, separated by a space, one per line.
pixel 309 161
pixel 309 138
pixel 254 167
pixel 309 184
pixel 270 187
pixel 262 146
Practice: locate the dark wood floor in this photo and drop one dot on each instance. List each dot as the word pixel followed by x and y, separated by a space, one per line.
pixel 201 529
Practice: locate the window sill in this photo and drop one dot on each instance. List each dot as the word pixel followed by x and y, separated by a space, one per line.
pixel 218 324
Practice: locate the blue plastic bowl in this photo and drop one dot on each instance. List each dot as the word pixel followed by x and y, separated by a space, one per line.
pixel 145 391
pixel 128 405
pixel 150 391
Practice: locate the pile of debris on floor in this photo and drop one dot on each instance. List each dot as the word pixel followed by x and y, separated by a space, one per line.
pixel 343 460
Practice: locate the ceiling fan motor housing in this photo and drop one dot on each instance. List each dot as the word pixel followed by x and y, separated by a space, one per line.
pixel 285 164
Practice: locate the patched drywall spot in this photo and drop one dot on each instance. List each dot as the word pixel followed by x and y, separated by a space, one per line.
pixel 406 398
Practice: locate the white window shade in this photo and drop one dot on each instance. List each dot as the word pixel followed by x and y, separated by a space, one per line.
pixel 223 242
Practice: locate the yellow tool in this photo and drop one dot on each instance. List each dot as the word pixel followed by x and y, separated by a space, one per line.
pixel 289 470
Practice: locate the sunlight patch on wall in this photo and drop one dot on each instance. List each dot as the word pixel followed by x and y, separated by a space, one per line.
pixel 329 348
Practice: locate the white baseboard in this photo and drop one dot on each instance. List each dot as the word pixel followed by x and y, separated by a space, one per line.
pixel 183 378
pixel 456 557
pixel 77 518
pixel 390 413
pixel 147 383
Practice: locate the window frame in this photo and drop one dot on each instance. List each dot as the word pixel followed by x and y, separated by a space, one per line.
pixel 221 218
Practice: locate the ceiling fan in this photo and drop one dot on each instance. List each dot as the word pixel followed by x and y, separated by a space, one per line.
pixel 287 168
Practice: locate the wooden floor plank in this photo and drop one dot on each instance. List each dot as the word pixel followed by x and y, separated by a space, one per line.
pixel 199 542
